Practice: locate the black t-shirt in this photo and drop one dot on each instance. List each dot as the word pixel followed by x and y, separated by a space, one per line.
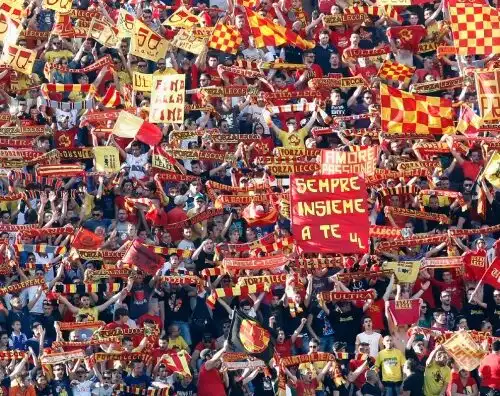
pixel 369 389
pixel 493 312
pixel 177 306
pixel 205 260
pixel 474 315
pixel 4 386
pixel 346 324
pixel 142 381
pixel 320 322
pixel 411 354
pixel 61 387
pixel 431 225
pixel 263 385
pixel 337 70
pixel 414 384
pixel 337 110
pixel 189 390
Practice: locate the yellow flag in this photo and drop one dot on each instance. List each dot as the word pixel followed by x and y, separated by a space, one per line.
pixel 9 29
pixel 405 271
pixel 147 44
pixel 104 33
pixel 466 353
pixel 187 41
pixel 13 9
pixel 142 82
pixel 125 24
pixel 19 58
pixel 107 159
pixel 58 5
pixel 182 18
pixel 492 170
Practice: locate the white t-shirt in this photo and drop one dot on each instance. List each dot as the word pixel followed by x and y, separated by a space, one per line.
pixel 373 340
pixel 83 388
pixel 137 164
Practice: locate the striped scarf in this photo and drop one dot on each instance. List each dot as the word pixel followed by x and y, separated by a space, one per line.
pixel 482 231
pixel 35 194
pixel 350 132
pixel 386 232
pixel 84 344
pixel 205 215
pixel 382 175
pixel 277 279
pixel 168 176
pixel 385 246
pixel 10 355
pixel 24 131
pixel 400 190
pixel 363 275
pixel 47 89
pixel 65 170
pixel 277 246
pixel 209 272
pixel 18 143
pixel 122 356
pixel 34 266
pixel 72 288
pixel 442 262
pixel 318 263
pixel 39 248
pixel 22 285
pixel 95 275
pixel 443 193
pixel 288 95
pixel 429 166
pixel 237 291
pixel 28 178
pixel 255 263
pixel 99 255
pixel 97 65
pixel 111 98
pixel 333 82
pixel 183 280
pixel 62 357
pixel 354 117
pixel 81 325
pixel 365 53
pixel 66 106
pixel 450 83
pixel 374 10
pixel 289 108
pixel 42 232
pixel 13 196
pixel 119 332
pixel 417 214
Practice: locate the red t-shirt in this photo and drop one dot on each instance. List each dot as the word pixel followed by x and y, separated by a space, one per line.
pixel 284 349
pixel 455 288
pixel 376 312
pixel 471 169
pixel 147 316
pixel 353 365
pixel 304 389
pixel 475 264
pixel 201 346
pixel 489 370
pixel 318 73
pixel 210 382
pixel 427 296
pixel 341 40
pixel 461 388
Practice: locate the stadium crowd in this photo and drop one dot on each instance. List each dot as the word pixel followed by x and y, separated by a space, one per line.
pixel 113 283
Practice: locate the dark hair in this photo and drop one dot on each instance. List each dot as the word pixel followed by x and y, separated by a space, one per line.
pixel 412 365
pixel 119 312
pixel 496 346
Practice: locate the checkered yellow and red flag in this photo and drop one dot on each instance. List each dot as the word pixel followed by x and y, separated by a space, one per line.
pixel 469 122
pixel 488 94
pixel 405 113
pixel 475 26
pixel 247 3
pixel 225 38
pixel 267 33
pixel 394 71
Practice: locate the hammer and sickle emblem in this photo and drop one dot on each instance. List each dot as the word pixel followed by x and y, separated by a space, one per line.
pixel 406 35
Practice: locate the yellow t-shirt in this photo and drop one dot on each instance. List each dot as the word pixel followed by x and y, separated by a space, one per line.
pixel 124 77
pixel 436 377
pixel 178 342
pixel 92 313
pixel 293 139
pixel 165 72
pixel 62 54
pixel 390 362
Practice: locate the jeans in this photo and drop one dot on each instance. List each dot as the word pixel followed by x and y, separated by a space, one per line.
pixel 184 329
pixel 326 343
pixel 391 388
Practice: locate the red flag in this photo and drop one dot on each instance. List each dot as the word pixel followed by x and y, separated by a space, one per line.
pixel 178 363
pixel 469 122
pixel 86 239
pixel 409 36
pixel 492 274
pixel 143 258
pixel 404 312
pixel 475 264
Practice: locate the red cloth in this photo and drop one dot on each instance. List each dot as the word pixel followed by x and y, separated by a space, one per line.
pixel 353 365
pixel 489 370
pixel 284 349
pixel 86 239
pixel 174 216
pixel 421 73
pixel 147 316
pixel 65 139
pixel 461 389
pixel 475 264
pixel 427 296
pixel 120 204
pixel 318 73
pixel 210 382
pixel 340 40
pixel 304 389
pixel 143 258
pixel 376 312
pixel 409 36
pixel 471 169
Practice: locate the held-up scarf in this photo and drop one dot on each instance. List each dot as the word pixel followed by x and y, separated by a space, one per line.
pixel 444 193
pixel 483 231
pixel 51 231
pixel 168 176
pixel 297 152
pixel 81 325
pixel 254 186
pixel 47 89
pixel 96 275
pixel 119 332
pixel 426 149
pixel 385 246
pixel 317 263
pixel 477 336
pixel 201 155
pixel 387 232
pixel 374 10
pixel 62 357
pixel 72 288
pixel 10 355
pixel 289 108
pixel 362 275
pixel 411 166
pixel 230 138
pixel 354 117
pixel 278 279
pixel 18 143
pixel 237 291
pixel 66 106
pixel 139 391
pixel 97 65
pixel 344 19
pixel 25 131
pixel 84 344
pixel 257 263
pixel 288 95
pixel 442 262
pixel 273 160
pixel 13 197
pixel 417 214
pixel 180 135
pixel 247 74
pixel 229 91
pixel 247 199
pixel 328 83
pixel 252 364
pixel 209 272
pixel 277 246
pixel 243 247
pixel 39 248
pixel 99 255
pixel 450 83
pixel 399 190
pixel 183 280
pixel 294 168
pixel 385 174
pixel 23 285
pixel 207 214
pixel 346 296
pixel 60 170
pixel 350 132
pixel 366 53
pixel 122 356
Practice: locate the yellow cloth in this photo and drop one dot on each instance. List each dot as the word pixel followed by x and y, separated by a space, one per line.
pixel 178 342
pixel 436 378
pixel 92 312
pixel 443 201
pixel 166 72
pixel 391 361
pixel 198 227
pixel 124 77
pixel 62 54
pixel 293 139
pixel 315 367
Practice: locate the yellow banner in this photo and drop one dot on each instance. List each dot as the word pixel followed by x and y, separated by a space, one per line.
pixel 19 58
pixel 125 24
pixel 107 159
pixel 182 18
pixel 142 82
pixel 492 170
pixel 9 29
pixel 104 33
pixel 405 271
pixel 58 5
pixel 189 42
pixel 466 353
pixel 147 44
pixel 160 162
pixel 14 9
pixel 167 99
